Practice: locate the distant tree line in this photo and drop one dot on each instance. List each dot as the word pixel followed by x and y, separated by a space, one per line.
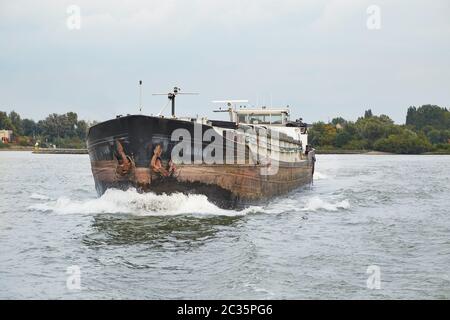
pixel 62 130
pixel 427 129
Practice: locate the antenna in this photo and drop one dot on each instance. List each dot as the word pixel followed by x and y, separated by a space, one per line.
pixel 140 95
pixel 228 103
pixel 172 95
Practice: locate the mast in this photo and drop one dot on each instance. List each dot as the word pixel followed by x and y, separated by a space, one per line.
pixel 140 95
pixel 172 95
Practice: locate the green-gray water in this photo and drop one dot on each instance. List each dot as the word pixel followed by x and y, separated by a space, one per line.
pixel 390 212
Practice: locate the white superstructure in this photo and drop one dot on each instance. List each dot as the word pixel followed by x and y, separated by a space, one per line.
pixel 273 119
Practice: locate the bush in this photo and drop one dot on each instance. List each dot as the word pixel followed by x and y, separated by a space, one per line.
pixel 436 136
pixel 342 138
pixel 327 147
pixel 70 143
pixel 3 146
pixel 442 147
pixel 322 134
pixel 360 144
pixel 407 142
pixel 24 141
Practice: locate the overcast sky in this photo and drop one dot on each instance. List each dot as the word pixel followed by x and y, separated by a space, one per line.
pixel 318 56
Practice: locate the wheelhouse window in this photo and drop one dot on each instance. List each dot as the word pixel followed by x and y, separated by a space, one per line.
pixel 259 119
pixel 276 119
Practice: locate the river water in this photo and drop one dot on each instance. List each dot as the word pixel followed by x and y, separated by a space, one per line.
pixel 385 219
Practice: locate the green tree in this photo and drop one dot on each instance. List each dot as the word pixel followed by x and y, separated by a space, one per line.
pixel 342 138
pixel 357 144
pixel 29 127
pixel 322 134
pixel 407 142
pixel 16 122
pixel 339 120
pixel 435 136
pixel 428 115
pixel 5 122
pixel 372 128
pixel 81 129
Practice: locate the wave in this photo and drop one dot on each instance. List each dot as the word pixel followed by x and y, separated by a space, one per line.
pixel 141 204
pixel 320 176
pixel 115 201
pixel 37 196
pixel 316 203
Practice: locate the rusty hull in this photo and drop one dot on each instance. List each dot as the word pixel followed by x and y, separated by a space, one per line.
pixel 121 152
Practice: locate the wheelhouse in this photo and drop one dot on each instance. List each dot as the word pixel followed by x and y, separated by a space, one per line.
pixel 273 117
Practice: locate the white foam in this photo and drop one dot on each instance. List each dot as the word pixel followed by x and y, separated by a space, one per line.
pixel 316 203
pixel 320 176
pixel 132 202
pixel 37 196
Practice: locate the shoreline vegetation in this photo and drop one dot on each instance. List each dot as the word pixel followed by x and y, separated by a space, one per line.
pixel 377 153
pixel 55 131
pixel 331 151
pixel 426 131
pixel 45 150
